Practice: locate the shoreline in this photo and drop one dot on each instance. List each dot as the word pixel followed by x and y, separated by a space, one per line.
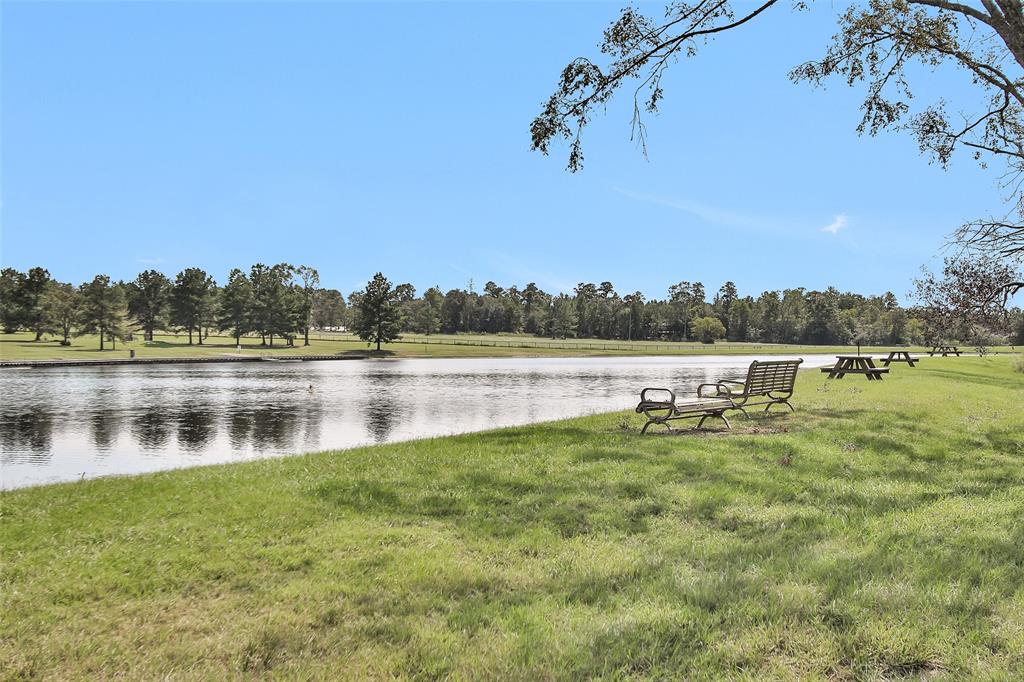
pixel 13 364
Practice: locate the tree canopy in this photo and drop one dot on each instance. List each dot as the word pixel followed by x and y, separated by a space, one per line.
pixel 877 46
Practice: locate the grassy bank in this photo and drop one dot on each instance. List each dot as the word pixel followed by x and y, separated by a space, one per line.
pixel 22 346
pixel 876 533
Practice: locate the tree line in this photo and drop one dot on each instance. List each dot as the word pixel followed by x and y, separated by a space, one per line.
pixel 281 301
pixel 284 302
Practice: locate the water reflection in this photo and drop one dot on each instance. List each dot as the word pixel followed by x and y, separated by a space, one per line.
pixel 196 428
pixel 58 423
pixel 104 428
pixel 150 429
pixel 29 432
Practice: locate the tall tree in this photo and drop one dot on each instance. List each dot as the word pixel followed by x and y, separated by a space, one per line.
pixel 310 283
pixel 191 304
pixel 29 298
pixel 62 304
pixel 564 319
pixel 379 319
pixel 10 283
pixel 234 310
pixel 149 295
pixel 104 310
pixel 329 309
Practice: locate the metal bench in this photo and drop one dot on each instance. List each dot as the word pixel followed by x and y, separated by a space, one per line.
pixel 767 383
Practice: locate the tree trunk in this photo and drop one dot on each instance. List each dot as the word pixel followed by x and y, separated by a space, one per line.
pixel 271 340
pixel 190 336
pixel 102 334
pixel 39 335
pixel 306 339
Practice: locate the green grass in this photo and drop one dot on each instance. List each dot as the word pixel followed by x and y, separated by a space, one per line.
pixel 22 346
pixel 878 533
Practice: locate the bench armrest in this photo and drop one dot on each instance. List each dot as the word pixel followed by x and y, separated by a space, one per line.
pixel 721 390
pixel 671 395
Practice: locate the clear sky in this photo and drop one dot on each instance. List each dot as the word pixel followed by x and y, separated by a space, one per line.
pixel 395 137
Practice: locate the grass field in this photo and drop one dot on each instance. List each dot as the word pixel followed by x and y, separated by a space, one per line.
pixel 878 533
pixel 22 346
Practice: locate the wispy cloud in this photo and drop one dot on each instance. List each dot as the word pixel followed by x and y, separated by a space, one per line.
pixel 707 212
pixel 837 224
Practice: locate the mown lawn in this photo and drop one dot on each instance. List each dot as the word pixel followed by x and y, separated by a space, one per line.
pixel 23 346
pixel 878 533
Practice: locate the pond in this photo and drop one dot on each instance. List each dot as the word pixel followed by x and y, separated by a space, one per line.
pixel 62 424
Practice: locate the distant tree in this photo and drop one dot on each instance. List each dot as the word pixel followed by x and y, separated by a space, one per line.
pixel 563 320
pixel 427 317
pixel 634 315
pixel 274 301
pixel 740 312
pixel 234 310
pixel 29 300
pixel 149 295
pixel 191 304
pixel 10 312
pixel 62 304
pixel 708 329
pixel 378 320
pixel 329 309
pixel 309 287
pixel 823 322
pixel 104 310
pixel 724 300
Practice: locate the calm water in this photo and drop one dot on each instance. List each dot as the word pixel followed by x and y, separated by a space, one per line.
pixel 62 424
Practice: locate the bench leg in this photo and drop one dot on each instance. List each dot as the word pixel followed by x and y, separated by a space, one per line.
pixel 780 402
pixel 720 415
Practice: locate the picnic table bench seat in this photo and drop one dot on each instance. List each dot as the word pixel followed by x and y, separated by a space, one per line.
pixel 855 364
pixel 767 383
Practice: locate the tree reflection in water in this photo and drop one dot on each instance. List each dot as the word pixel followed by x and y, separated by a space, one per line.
pixel 105 427
pixel 382 404
pixel 150 429
pixel 30 431
pixel 196 428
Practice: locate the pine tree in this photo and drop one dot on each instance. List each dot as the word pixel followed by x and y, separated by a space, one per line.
pixel 379 319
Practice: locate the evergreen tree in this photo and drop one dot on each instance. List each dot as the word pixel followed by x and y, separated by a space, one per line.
pixel 29 299
pixel 62 303
pixel 191 303
pixel 234 310
pixel 148 298
pixel 310 280
pixel 379 319
pixel 104 310
pixel 10 283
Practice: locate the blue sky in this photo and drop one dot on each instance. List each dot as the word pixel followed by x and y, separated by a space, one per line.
pixel 394 137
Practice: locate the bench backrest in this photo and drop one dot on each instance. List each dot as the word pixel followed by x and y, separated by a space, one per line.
pixel 768 376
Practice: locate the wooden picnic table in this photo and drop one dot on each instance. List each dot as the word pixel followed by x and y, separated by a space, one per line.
pixel 945 350
pixel 855 364
pixel 899 356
